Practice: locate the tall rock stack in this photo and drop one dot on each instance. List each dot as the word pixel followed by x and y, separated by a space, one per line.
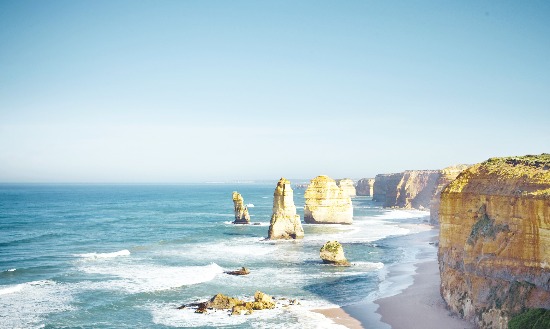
pixel 365 187
pixel 494 242
pixel 447 176
pixel 285 223
pixel 241 211
pixel 347 186
pixel 326 203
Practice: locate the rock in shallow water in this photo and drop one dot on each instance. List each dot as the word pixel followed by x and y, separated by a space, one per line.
pixel 242 271
pixel 285 223
pixel 241 211
pixel 333 253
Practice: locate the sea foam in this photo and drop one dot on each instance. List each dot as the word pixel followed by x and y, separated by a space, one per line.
pixel 137 278
pixel 26 305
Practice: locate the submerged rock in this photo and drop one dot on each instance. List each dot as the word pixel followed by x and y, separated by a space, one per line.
pixel 333 253
pixel 326 203
pixel 285 223
pixel 242 271
pixel 241 210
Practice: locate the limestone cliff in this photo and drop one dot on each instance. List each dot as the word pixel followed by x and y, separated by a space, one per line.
pixel 383 182
pixel 347 186
pixel 365 187
pixel 285 224
pixel 447 175
pixel 326 203
pixel 241 211
pixel 494 244
pixel 411 189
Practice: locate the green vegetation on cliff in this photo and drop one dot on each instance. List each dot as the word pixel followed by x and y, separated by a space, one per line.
pixel 537 318
pixel 532 172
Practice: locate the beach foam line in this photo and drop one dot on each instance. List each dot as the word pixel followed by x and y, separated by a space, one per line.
pixel 95 255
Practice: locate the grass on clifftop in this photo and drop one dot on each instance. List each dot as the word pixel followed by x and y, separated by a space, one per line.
pixel 537 318
pixel 533 169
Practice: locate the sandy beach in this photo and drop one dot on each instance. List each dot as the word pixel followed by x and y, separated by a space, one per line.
pixel 418 306
pixel 421 298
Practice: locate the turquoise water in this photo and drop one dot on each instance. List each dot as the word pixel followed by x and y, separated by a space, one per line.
pixel 126 256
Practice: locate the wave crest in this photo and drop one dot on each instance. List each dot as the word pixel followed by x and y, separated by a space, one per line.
pixel 95 255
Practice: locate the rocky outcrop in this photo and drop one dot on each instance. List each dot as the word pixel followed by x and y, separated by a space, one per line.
pixel 411 189
pixel 222 302
pixel 242 271
pixel 285 223
pixel 494 244
pixel 241 211
pixel 333 253
pixel 326 203
pixel 447 175
pixel 365 187
pixel 347 185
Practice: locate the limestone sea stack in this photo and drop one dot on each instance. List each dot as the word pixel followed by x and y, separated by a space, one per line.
pixel 326 203
pixel 241 211
pixel 494 243
pixel 347 186
pixel 364 187
pixel 285 223
pixel 447 175
pixel 333 253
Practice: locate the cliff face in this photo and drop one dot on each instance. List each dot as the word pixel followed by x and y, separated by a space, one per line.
pixel 494 245
pixel 447 176
pixel 285 224
pixel 412 189
pixel 347 186
pixel 241 211
pixel 365 187
pixel 382 183
pixel 326 203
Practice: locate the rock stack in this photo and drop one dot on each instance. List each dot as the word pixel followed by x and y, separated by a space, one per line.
pixel 241 211
pixel 333 253
pixel 285 223
pixel 326 203
pixel 347 185
pixel 365 187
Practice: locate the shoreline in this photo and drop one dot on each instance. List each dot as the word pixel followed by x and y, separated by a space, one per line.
pixel 400 310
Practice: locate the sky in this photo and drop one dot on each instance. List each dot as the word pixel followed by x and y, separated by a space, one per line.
pixel 194 91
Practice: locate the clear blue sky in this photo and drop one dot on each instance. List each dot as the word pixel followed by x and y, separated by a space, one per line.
pixel 184 91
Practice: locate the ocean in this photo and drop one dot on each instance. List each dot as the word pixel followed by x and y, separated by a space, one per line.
pixel 126 256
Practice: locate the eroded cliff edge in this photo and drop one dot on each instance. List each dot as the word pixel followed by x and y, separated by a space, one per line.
pixel 411 189
pixel 494 244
